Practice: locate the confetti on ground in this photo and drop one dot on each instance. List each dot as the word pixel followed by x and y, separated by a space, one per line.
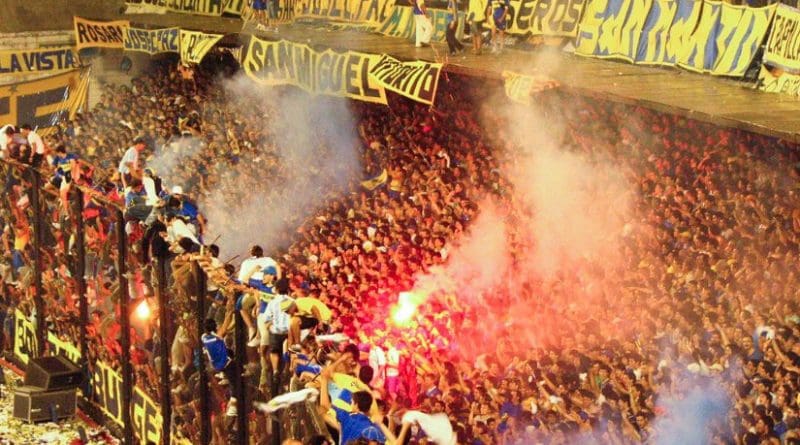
pixel 18 432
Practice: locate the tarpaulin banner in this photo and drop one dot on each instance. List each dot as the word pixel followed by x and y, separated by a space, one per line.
pixel 519 87
pixel 363 11
pixel 25 342
pixel 611 28
pixel 39 60
pixel 415 80
pixel 44 102
pixel 195 45
pixel 738 50
pixel 725 39
pixel 666 18
pixel 26 346
pixel 153 41
pixel 702 36
pixel 344 74
pixel 545 17
pixel 777 81
pixel 783 45
pixel 58 346
pixel 91 34
pixel 401 24
pixel 199 7
pixel 106 382
pixel 107 395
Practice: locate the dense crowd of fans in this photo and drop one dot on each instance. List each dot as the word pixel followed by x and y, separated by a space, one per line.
pixel 699 306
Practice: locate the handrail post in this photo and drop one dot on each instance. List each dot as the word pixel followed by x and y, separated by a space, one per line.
pixel 38 301
pixel 80 273
pixel 125 324
pixel 200 294
pixel 242 437
pixel 164 317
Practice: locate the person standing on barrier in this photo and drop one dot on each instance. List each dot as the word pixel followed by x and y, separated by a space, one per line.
pixel 499 12
pixel 36 143
pixel 424 27
pixel 453 45
pixel 476 15
pixel 277 318
pixel 260 14
pixel 129 165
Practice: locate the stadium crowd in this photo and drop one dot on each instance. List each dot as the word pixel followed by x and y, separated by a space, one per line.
pixel 699 315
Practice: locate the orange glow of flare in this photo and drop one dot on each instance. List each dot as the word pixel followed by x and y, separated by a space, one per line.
pixel 405 309
pixel 143 310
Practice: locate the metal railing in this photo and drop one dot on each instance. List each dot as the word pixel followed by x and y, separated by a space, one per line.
pixel 70 264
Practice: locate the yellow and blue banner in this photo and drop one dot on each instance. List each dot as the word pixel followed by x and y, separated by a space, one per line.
pixel 44 102
pixel 39 60
pixel 196 44
pixel 706 36
pixel 359 11
pixel 152 41
pixel 546 17
pixel 197 7
pixel 106 382
pixel 342 74
pixel 415 80
pixel 92 34
pixel 376 181
pixel 782 46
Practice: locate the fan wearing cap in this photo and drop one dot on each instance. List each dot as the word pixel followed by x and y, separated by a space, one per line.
pixel 129 164
pixel 186 208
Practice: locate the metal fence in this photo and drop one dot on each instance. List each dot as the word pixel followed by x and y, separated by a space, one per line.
pixel 78 280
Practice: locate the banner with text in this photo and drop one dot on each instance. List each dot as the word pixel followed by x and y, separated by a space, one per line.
pixel 195 45
pixel 152 41
pixel 415 80
pixel 400 23
pixel 783 45
pixel 703 36
pixel 326 72
pixel 519 87
pixel 776 80
pixel 362 11
pixel 199 7
pixel 106 382
pixel 40 60
pixel 545 17
pixel 43 103
pixel 91 34
pixel 726 39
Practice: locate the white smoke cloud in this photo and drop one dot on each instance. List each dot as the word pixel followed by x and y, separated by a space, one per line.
pixel 309 153
pixel 168 157
pixel 690 411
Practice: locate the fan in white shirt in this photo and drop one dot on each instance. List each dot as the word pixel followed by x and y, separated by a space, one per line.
pixel 35 142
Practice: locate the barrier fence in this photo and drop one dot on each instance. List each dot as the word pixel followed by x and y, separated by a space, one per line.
pixel 80 283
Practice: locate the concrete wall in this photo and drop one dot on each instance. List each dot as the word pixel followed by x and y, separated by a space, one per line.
pixel 49 15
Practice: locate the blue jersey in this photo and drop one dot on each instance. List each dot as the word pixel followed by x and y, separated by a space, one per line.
pixel 354 425
pixel 451 7
pixel 188 210
pixel 62 165
pixel 417 9
pixel 216 350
